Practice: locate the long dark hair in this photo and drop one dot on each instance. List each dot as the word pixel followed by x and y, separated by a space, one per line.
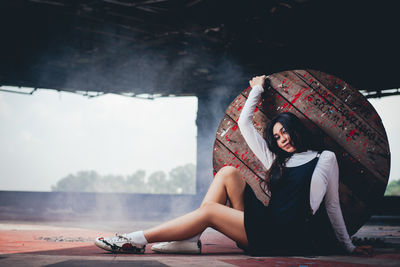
pixel 300 138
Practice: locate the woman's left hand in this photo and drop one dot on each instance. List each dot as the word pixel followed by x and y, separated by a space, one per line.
pixel 258 80
pixel 363 250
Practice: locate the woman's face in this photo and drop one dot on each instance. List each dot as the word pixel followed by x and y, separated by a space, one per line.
pixel 283 138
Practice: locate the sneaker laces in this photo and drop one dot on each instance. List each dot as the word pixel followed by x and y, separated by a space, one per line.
pixel 113 245
pixel 123 236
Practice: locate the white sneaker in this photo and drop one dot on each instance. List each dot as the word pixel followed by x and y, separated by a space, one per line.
pixel 183 247
pixel 119 244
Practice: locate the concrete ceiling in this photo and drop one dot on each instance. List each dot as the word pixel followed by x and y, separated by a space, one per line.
pixel 191 47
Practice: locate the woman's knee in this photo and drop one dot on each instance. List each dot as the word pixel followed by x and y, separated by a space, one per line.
pixel 228 170
pixel 208 210
pixel 229 173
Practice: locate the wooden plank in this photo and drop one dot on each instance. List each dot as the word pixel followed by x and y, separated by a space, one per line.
pixel 224 157
pixel 359 139
pixel 352 130
pixel 229 134
pixel 345 92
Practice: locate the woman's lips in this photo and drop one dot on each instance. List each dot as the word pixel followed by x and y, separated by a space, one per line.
pixel 287 146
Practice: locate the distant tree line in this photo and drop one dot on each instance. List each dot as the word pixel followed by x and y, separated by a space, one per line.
pixel 180 180
pixel 393 188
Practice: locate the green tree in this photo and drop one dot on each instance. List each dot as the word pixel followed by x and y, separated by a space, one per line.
pixel 183 179
pixel 136 183
pixel 112 183
pixel 158 183
pixel 393 188
pixel 83 181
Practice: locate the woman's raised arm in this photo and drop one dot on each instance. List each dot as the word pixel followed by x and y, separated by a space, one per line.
pixel 253 139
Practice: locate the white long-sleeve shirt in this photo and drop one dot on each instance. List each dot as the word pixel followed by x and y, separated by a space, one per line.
pixel 325 178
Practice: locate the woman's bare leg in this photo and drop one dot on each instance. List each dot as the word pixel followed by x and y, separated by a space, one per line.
pixel 220 217
pixel 227 184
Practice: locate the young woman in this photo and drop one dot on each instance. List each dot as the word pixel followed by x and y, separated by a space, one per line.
pixel 300 179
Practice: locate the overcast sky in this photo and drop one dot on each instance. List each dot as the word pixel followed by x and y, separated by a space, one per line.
pixel 48 135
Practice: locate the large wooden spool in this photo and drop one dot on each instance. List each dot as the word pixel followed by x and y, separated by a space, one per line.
pixel 330 108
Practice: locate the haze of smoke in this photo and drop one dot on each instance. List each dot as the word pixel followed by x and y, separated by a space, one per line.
pixel 148 70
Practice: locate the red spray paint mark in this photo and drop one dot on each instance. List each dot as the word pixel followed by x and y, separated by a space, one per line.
pixel 306 111
pixel 298 95
pixel 352 132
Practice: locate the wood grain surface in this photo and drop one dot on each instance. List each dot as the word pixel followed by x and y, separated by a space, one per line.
pixel 335 112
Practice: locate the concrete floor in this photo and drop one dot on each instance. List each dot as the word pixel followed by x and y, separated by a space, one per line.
pixel 71 244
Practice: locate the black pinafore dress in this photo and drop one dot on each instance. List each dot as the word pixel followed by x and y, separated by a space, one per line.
pixel 281 228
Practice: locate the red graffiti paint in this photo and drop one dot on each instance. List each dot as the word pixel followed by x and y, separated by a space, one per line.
pixel 298 95
pixel 352 132
pixel 227 138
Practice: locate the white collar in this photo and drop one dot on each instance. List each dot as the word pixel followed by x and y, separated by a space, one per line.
pixel 301 158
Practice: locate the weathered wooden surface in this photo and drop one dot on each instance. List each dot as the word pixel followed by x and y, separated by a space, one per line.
pixel 332 109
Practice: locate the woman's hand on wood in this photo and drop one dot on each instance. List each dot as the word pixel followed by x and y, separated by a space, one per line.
pixel 258 80
pixel 363 250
